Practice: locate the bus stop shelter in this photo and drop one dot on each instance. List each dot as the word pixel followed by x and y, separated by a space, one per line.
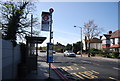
pixel 32 51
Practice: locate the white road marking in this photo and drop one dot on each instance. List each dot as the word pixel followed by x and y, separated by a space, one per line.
pixel 116 68
pixel 86 61
pixel 89 62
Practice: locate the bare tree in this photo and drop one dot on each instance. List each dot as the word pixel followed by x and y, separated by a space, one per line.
pixel 91 30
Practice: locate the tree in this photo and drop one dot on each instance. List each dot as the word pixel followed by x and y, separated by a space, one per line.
pixel 77 47
pixel 43 48
pixel 91 30
pixel 15 20
pixel 68 47
pixel 58 47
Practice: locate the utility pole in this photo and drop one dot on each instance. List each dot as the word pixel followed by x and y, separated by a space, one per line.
pixel 31 23
pixel 31 45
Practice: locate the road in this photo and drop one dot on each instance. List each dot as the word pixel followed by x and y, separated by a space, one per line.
pixel 86 68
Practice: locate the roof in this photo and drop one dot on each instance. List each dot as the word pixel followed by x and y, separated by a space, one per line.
pixel 94 40
pixel 115 34
pixel 35 39
pixel 115 46
pixel 107 36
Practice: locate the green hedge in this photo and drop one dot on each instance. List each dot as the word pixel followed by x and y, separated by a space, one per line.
pixel 109 55
pixel 115 54
pixel 94 51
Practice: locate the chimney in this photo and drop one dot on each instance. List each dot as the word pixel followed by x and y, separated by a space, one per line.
pixel 85 38
pixel 110 32
pixel 100 37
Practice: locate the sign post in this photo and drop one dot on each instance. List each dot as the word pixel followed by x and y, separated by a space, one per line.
pixel 47 26
pixel 50 11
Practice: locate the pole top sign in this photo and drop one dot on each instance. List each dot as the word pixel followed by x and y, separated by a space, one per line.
pixel 51 10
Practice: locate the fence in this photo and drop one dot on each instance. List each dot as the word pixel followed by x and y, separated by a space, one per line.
pixel 10 60
pixel 0 58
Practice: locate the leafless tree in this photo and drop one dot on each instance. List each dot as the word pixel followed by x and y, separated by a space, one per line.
pixel 91 30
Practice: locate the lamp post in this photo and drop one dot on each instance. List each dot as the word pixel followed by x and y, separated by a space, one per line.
pixel 81 38
pixel 31 23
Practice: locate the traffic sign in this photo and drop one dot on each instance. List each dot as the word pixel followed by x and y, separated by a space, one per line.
pixel 45 18
pixel 51 10
pixel 45 21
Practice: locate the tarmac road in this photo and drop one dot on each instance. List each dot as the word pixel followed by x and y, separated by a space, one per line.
pixel 87 68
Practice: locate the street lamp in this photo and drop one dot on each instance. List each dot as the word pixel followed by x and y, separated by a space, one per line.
pixel 81 38
pixel 31 24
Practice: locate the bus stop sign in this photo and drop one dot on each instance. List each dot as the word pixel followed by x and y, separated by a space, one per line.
pixel 49 52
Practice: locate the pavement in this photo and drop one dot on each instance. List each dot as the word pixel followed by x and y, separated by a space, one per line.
pixel 42 74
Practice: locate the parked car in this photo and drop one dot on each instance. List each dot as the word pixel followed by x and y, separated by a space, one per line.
pixel 54 51
pixel 69 53
pixel 42 50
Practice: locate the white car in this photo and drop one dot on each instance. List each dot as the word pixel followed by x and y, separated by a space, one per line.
pixel 69 53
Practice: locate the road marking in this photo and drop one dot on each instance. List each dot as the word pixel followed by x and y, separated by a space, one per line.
pixel 75 68
pixel 113 78
pixel 90 73
pixel 86 74
pixel 86 61
pixel 77 75
pixel 95 71
pixel 83 67
pixel 81 73
pixel 70 67
pixel 58 72
pixel 75 64
pixel 116 68
pixel 64 68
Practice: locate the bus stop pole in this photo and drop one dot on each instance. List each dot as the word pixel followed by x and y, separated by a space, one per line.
pixel 50 10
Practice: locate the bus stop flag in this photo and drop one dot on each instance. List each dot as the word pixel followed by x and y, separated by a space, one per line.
pixel 45 21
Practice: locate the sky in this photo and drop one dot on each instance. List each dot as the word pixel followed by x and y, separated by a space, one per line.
pixel 68 14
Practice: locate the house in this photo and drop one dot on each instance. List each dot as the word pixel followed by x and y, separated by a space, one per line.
pixel 94 43
pixel 59 47
pixel 106 40
pixel 115 40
